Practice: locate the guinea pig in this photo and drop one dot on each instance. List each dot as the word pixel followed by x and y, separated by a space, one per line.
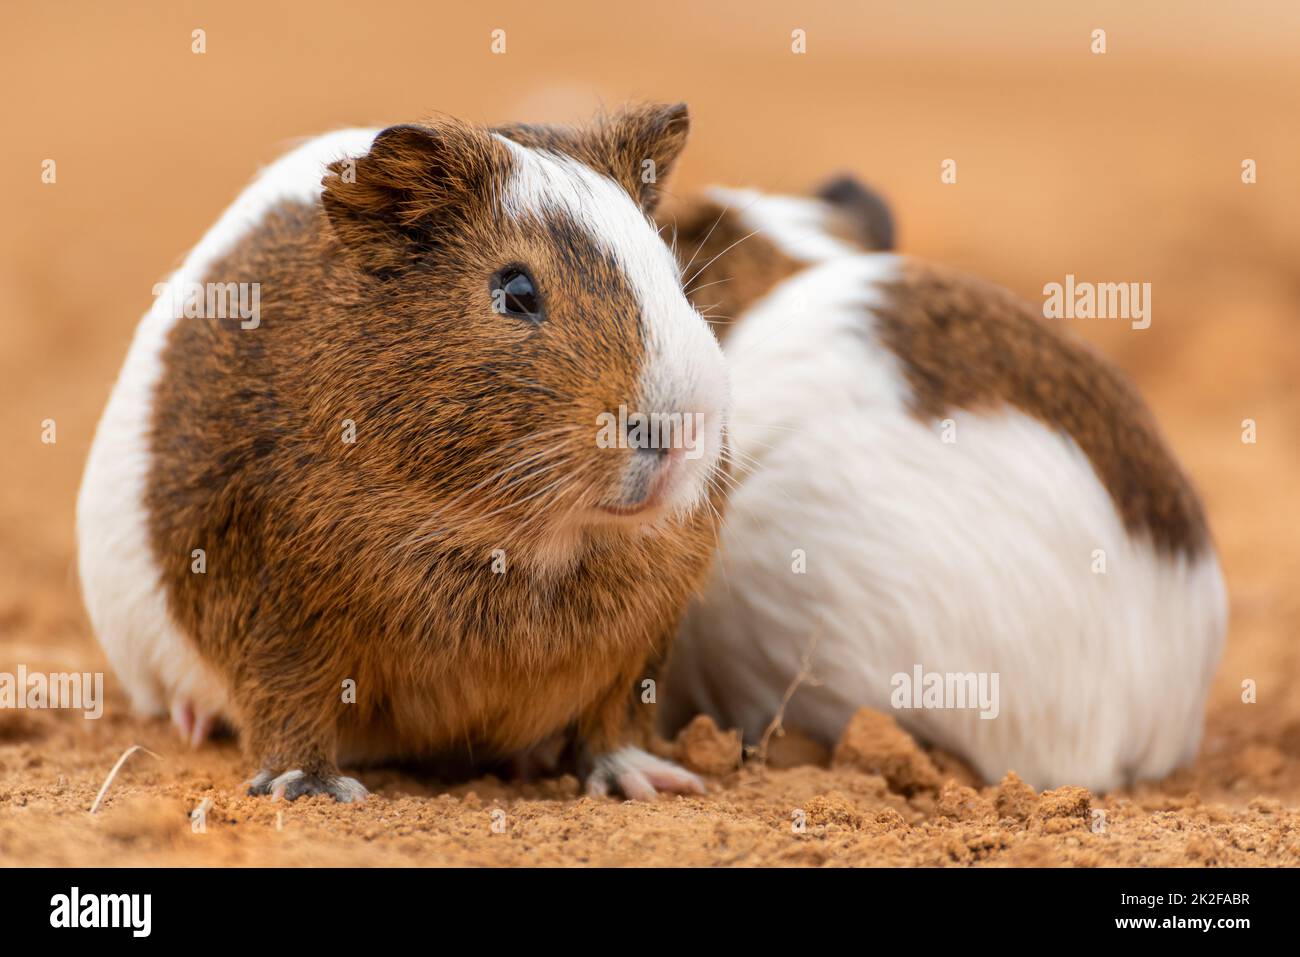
pixel 945 506
pixel 383 518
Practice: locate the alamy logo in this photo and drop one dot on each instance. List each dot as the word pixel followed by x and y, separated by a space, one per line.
pixel 133 911
pixel 1098 300
pixel 946 690
pixel 653 430
pixel 77 691
pixel 213 300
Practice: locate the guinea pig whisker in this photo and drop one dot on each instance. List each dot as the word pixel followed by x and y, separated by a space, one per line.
pixel 743 469
pixel 549 448
pixel 545 506
pixel 583 498
pixel 706 285
pixel 751 467
pixel 728 482
pixel 699 271
pixel 731 459
pixel 726 209
pixel 744 460
pixel 566 429
pixel 734 503
pixel 529 475
pixel 717 540
pixel 444 507
pixel 519 463
pixel 438 533
pixel 526 498
pixel 742 454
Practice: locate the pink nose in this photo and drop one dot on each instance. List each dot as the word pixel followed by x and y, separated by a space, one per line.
pixel 667 469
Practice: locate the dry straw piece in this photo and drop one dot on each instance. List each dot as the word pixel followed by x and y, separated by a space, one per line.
pixel 113 773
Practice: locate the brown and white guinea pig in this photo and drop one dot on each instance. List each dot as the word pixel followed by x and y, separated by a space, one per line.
pixel 969 517
pixel 376 521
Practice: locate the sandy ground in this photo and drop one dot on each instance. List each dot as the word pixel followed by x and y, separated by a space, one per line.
pixel 882 801
pixel 1123 167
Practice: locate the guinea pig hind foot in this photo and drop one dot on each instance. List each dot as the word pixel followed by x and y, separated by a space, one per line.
pixel 639 775
pixel 193 724
pixel 292 785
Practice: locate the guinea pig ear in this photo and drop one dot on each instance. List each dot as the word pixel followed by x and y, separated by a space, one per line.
pixel 864 210
pixel 641 144
pixel 389 207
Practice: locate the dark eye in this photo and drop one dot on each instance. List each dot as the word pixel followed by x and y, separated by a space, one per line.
pixel 514 294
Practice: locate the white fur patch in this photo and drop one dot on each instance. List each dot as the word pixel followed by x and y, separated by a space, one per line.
pixel 798 226
pixel 683 369
pixel 120 577
pixel 640 776
pixel 971 556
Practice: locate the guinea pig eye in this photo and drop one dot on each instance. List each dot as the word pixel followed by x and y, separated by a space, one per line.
pixel 514 294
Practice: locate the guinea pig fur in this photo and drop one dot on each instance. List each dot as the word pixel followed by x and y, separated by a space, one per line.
pixel 377 522
pixel 938 490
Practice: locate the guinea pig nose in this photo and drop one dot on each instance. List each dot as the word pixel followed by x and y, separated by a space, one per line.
pixel 641 436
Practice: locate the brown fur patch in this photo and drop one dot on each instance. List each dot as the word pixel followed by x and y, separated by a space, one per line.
pixel 373 560
pixel 967 344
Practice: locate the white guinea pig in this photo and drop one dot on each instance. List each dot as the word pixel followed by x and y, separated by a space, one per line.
pixel 970 518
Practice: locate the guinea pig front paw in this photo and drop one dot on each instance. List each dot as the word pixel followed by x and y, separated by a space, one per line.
pixel 639 775
pixel 292 785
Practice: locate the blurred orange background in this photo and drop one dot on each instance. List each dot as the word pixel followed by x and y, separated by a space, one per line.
pixel 1117 167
